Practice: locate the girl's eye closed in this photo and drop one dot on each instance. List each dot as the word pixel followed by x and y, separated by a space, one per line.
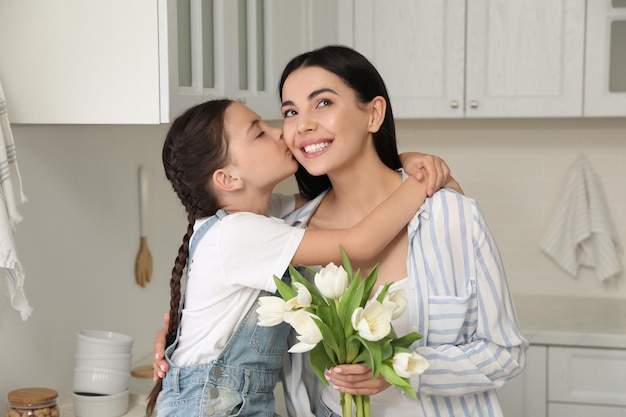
pixel 261 134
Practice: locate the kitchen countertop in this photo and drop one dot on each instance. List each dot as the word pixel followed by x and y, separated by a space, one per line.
pixel 569 321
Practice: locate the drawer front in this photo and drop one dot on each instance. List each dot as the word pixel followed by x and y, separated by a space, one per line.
pixel 587 376
pixel 570 410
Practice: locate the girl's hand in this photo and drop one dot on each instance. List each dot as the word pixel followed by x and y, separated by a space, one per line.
pixel 356 380
pixel 415 163
pixel 452 183
pixel 159 364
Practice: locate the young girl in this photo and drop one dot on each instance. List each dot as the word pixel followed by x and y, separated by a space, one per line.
pixel 223 162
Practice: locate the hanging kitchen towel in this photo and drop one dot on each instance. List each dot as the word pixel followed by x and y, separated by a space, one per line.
pixel 10 183
pixel 582 232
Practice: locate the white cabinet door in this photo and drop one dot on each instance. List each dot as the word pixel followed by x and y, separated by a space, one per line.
pixel 605 76
pixel 587 376
pixel 76 61
pixel 526 394
pixel 238 48
pixel 514 58
pixel 524 58
pixel 273 32
pixel 418 48
pixel 576 410
pixel 195 47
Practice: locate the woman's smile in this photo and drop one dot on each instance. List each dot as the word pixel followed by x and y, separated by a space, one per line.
pixel 312 149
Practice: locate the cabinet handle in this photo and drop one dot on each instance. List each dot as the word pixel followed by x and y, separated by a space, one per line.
pixel 454 104
pixel 473 104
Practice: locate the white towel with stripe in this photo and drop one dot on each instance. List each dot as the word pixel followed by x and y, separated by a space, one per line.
pixel 582 232
pixel 11 194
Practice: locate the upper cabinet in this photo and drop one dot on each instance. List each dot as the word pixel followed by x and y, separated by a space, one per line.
pixel 238 48
pixel 605 80
pixel 145 61
pixel 484 58
pixel 74 61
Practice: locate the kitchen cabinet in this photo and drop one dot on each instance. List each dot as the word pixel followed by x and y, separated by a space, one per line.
pixel 576 362
pixel 567 410
pixel 238 49
pixel 584 379
pixel 144 61
pixel 562 381
pixel 605 60
pixel 73 61
pixel 478 59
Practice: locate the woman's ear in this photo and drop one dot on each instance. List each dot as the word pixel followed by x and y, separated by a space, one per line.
pixel 225 180
pixel 377 108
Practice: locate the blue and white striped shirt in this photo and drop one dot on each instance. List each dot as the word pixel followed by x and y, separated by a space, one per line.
pixel 459 300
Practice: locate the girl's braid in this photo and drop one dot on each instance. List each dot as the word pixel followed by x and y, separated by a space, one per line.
pixel 195 146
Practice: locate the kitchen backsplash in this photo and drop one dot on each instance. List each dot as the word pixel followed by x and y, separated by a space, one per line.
pixel 517 171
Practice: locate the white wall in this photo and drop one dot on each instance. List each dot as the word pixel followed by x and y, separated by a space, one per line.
pixel 80 232
pixel 78 242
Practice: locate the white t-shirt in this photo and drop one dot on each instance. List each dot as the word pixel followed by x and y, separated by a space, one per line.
pixel 236 259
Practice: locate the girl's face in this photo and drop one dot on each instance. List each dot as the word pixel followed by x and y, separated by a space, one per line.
pixel 325 126
pixel 257 150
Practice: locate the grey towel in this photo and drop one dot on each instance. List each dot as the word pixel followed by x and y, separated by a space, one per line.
pixel 582 232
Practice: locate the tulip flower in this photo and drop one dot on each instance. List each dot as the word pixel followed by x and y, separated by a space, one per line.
pixel 332 281
pixel 338 322
pixel 309 333
pixel 271 311
pixel 396 301
pixel 408 364
pixel 372 322
pixel 301 300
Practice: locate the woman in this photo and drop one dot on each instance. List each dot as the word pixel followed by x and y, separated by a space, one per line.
pixel 446 260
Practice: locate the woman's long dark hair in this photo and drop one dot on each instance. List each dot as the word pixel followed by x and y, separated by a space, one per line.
pixel 358 73
pixel 195 147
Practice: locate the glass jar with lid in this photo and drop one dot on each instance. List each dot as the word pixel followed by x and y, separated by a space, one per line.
pixel 26 402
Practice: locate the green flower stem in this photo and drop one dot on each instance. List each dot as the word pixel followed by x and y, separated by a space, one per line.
pixel 346 404
pixel 362 403
pixel 341 355
pixel 366 406
pixel 358 400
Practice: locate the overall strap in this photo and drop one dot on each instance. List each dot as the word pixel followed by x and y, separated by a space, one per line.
pixel 199 234
pixel 195 239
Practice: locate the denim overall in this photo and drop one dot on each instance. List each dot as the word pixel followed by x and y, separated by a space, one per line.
pixel 240 382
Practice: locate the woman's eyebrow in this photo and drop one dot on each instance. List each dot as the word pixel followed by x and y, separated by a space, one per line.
pixel 320 91
pixel 311 96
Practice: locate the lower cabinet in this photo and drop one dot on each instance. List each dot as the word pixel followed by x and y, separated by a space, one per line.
pixel 569 410
pixel 568 381
pixel 584 377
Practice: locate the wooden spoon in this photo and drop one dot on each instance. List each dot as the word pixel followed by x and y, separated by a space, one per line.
pixel 143 262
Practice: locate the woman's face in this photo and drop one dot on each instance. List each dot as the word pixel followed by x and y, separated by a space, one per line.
pixel 257 150
pixel 325 126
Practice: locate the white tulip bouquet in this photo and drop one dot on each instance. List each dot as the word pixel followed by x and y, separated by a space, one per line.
pixel 336 322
